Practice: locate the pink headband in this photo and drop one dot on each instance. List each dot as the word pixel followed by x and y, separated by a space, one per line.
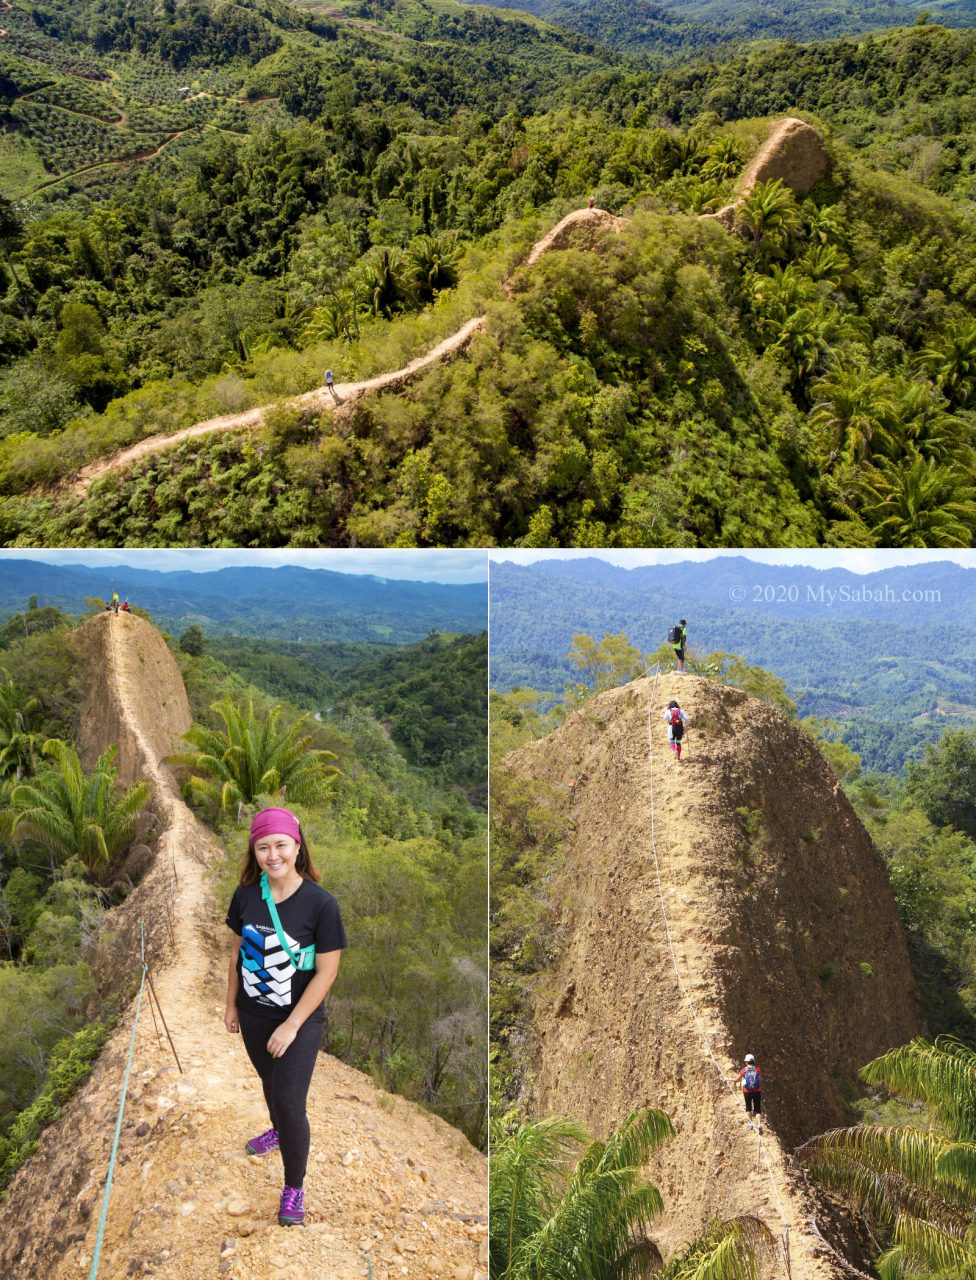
pixel 275 822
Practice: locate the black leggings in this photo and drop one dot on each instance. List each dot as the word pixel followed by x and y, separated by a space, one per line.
pixel 285 1080
pixel 753 1102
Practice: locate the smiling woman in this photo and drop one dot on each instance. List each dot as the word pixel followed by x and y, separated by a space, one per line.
pixel 277 980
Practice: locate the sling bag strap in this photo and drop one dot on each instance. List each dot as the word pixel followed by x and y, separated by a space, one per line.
pixel 306 955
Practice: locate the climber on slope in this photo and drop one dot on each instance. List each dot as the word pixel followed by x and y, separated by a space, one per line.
pixel 330 383
pixel 677 722
pixel 750 1078
pixel 115 602
pixel 288 940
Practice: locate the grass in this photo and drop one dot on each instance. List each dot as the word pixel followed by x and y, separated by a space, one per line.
pixel 21 166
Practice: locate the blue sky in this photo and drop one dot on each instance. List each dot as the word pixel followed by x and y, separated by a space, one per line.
pixel 413 566
pixel 854 561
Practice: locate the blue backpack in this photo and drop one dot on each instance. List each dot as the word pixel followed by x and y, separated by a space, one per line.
pixel 752 1079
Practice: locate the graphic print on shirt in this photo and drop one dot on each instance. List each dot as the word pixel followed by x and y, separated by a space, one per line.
pixel 265 967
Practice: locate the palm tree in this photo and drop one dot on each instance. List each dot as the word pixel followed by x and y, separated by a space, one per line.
pixel 724 160
pixel 433 263
pixel 855 409
pixel 74 814
pixel 728 1251
pixel 918 1185
pixel 952 363
pixel 925 423
pixel 253 757
pixel 916 502
pixel 547 1223
pixel 591 1223
pixel 769 214
pixel 382 277
pixel 826 262
pixel 18 746
pixel 808 336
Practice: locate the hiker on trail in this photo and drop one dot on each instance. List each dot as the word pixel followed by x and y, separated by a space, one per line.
pixel 288 940
pixel 677 638
pixel 115 602
pixel 330 383
pixel 677 723
pixel 752 1083
pixel 592 202
pixel 125 605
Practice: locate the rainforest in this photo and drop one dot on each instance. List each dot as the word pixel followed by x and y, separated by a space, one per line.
pixel 207 206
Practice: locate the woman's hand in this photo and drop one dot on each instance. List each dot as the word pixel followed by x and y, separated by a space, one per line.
pixel 230 1020
pixel 281 1038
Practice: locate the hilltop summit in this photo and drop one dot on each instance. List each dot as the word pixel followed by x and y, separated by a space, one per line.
pixel 786 943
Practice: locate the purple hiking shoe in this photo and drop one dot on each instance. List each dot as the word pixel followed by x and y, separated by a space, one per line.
pixel 262 1145
pixel 291 1211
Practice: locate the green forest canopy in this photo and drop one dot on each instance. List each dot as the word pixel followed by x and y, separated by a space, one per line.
pixel 820 360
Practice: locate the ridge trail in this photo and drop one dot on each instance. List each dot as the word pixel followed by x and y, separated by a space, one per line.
pixel 389 1187
pixel 793 150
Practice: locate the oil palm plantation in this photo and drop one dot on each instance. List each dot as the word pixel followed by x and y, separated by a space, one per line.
pixel 550 1221
pixel 254 756
pixel 916 1184
pixel 72 813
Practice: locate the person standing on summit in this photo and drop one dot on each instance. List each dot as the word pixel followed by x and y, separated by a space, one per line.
pixel 677 638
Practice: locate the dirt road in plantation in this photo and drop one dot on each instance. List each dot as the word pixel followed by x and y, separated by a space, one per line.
pixel 793 148
pixel 391 1190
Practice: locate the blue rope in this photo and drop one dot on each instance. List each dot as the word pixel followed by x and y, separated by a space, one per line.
pixel 118 1124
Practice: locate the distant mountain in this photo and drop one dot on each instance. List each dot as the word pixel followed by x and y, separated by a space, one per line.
pixel 890 655
pixel 286 603
pixel 682 27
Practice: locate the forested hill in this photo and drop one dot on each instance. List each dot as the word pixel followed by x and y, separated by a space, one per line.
pixel 688 28
pixel 348 190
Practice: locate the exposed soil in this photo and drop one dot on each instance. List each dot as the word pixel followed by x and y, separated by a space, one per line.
pixel 390 1188
pixel 786 943
pixel 794 151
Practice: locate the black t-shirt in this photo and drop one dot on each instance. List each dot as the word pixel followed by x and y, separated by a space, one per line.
pixel 269 984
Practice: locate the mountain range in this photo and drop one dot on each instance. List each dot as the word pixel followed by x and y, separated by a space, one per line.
pixel 891 652
pixel 286 603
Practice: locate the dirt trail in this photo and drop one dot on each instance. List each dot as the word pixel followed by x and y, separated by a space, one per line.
pixel 389 1187
pixel 775 158
pixel 785 939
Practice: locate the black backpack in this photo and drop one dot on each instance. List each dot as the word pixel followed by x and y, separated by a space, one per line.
pixel 676 635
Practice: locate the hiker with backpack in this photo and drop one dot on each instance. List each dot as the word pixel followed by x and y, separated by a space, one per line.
pixel 288 940
pixel 330 383
pixel 677 722
pixel 677 636
pixel 750 1077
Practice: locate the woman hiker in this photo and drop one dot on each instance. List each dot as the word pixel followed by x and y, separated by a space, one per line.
pixel 288 939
